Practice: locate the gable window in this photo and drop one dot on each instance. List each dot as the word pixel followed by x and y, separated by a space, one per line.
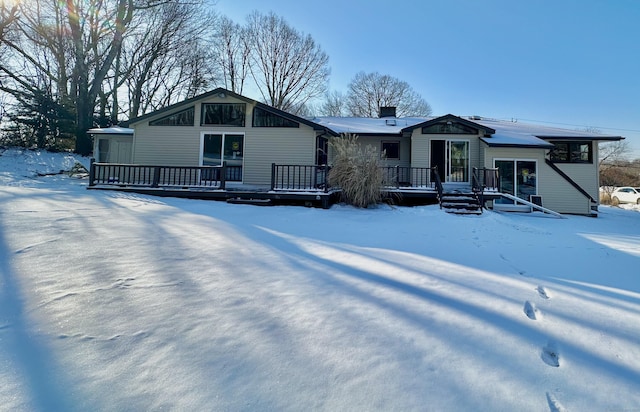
pixel 263 118
pixel 391 149
pixel 448 128
pixel 223 114
pixel 181 118
pixel 571 152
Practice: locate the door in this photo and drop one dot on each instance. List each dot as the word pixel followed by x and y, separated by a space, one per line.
pixel 517 178
pixel 438 158
pixel 451 157
pixel 220 147
pixel 124 152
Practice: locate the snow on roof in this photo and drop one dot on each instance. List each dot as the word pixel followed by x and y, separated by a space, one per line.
pixel 112 130
pixel 509 127
pixel 507 133
pixel 368 125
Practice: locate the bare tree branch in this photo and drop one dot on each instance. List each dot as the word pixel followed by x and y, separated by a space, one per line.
pixel 368 92
pixel 288 67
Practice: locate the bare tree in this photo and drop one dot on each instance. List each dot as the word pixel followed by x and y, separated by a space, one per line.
pixel 7 16
pixel 333 105
pixel 289 68
pixel 79 53
pixel 164 59
pixel 232 54
pixel 612 152
pixel 368 92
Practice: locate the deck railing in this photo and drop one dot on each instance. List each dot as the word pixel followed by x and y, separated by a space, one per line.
pixel 485 179
pixel 212 177
pixel 299 177
pixel 409 177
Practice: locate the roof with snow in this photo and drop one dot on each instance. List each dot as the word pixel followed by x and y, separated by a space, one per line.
pixel 369 125
pixel 498 133
pixel 111 130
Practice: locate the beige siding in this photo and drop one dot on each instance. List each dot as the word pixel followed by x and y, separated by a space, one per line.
pixel 421 147
pixel 181 146
pixel 376 142
pixel 264 146
pixel 557 194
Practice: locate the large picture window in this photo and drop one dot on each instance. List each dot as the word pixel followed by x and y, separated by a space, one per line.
pixel 263 118
pixel 571 152
pixel 181 118
pixel 223 114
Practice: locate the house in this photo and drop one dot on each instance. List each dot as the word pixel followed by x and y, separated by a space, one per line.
pixel 557 167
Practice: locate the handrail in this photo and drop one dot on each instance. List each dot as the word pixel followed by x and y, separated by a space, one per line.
pixel 533 205
pixel 439 187
pixel 490 179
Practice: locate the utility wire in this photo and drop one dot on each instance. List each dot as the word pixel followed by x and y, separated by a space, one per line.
pixel 570 124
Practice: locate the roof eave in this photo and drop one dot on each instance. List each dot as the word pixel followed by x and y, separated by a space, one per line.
pixel 469 123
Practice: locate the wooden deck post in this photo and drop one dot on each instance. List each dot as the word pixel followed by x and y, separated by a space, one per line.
pixel 92 172
pixel 273 176
pixel 223 176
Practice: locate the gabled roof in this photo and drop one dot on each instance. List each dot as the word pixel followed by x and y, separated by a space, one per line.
pixel 449 118
pixel 224 92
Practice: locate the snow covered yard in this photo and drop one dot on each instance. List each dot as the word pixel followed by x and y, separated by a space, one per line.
pixel 111 301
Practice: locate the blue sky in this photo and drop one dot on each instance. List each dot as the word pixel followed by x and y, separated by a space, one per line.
pixel 566 63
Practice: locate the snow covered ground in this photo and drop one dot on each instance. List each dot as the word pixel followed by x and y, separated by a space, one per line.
pixel 114 302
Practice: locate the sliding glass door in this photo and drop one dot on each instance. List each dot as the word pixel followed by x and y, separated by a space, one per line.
pixel 451 157
pixel 517 178
pixel 222 147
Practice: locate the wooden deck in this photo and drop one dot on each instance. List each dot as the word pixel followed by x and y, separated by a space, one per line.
pixel 290 184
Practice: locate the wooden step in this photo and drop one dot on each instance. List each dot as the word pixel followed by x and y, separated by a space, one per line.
pixel 461 203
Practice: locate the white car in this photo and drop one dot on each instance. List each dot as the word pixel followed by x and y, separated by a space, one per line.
pixel 626 195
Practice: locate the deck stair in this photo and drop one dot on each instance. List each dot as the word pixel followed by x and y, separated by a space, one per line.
pixel 462 203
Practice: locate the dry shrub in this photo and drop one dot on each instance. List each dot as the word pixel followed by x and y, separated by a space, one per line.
pixel 357 171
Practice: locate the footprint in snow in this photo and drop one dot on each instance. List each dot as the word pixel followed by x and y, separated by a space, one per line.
pixel 543 292
pixel 531 311
pixel 554 405
pixel 550 355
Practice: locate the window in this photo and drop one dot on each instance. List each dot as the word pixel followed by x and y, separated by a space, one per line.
pixel 103 150
pixel 263 118
pixel 448 128
pixel 182 118
pixel 223 114
pixel 571 152
pixel 391 150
